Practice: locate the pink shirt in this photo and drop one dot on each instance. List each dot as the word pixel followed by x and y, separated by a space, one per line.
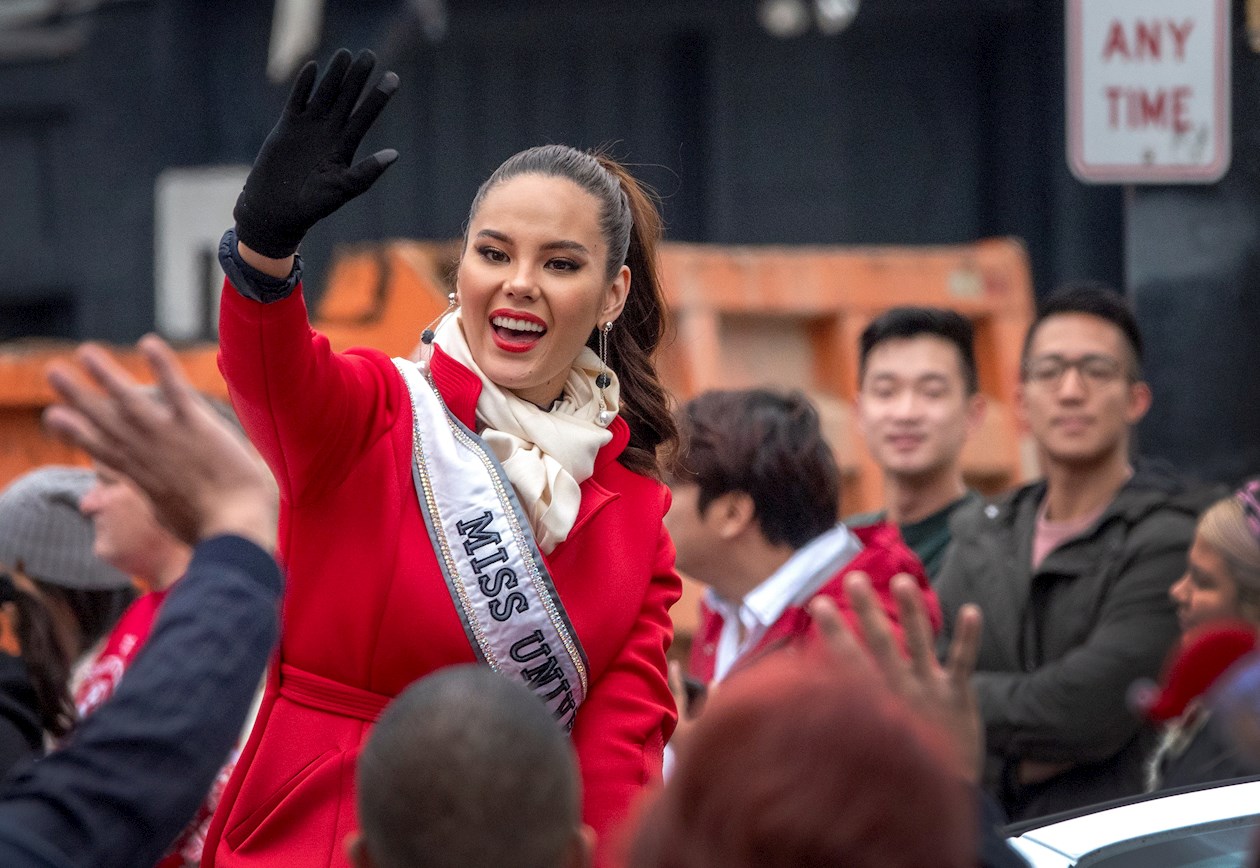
pixel 1051 534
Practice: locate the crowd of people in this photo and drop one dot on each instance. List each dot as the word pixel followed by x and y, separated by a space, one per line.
pixel 481 545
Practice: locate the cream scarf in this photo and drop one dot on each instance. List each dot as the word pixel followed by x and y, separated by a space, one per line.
pixel 546 454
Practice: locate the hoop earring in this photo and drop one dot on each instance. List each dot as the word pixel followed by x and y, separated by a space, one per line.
pixel 604 380
pixel 426 336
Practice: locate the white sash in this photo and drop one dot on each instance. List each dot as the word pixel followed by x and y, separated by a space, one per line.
pixel 486 549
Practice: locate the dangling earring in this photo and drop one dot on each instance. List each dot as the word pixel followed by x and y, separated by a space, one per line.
pixel 426 336
pixel 603 380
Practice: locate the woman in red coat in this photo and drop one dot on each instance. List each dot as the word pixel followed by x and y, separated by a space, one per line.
pixel 496 502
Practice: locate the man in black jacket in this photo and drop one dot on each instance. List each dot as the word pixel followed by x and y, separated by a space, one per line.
pixel 131 776
pixel 1072 572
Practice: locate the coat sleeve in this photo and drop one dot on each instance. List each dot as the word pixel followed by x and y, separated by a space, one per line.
pixel 132 775
pixel 21 734
pixel 629 712
pixel 309 411
pixel 1074 710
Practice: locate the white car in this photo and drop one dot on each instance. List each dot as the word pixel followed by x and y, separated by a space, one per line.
pixel 1214 826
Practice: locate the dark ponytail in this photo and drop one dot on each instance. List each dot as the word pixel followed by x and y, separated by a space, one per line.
pixel 631 226
pixel 634 340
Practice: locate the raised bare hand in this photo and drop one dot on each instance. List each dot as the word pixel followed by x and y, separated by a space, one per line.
pixel 202 476
pixel 941 694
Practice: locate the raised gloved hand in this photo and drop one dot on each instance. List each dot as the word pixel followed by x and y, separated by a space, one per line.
pixel 303 172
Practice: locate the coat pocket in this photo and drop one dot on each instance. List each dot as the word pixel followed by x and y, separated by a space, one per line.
pixel 239 835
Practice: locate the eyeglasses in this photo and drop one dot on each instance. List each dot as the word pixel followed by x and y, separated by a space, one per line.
pixel 1095 370
pixel 1249 497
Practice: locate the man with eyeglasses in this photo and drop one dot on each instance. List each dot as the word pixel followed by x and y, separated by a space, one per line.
pixel 1072 571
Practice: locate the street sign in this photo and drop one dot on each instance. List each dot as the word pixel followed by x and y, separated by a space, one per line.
pixel 1148 90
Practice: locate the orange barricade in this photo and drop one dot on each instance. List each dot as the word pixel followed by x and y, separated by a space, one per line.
pixel 791 317
pixel 383 295
pixel 379 295
pixel 24 394
pixel 780 316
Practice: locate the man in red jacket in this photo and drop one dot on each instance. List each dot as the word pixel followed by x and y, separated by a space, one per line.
pixel 756 493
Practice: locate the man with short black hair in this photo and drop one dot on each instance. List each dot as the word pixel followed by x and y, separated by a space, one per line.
pixel 467 769
pixel 918 403
pixel 1073 571
pixel 756 493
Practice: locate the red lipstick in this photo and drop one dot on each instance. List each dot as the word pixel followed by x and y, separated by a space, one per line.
pixel 516 340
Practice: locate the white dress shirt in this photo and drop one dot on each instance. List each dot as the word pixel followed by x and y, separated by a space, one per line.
pixel 792 584
pixel 810 567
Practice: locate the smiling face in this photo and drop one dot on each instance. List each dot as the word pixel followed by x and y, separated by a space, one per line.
pixel 533 283
pixel 913 407
pixel 1083 414
pixel 1207 592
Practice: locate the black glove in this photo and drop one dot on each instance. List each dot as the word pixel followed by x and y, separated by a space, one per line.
pixel 303 171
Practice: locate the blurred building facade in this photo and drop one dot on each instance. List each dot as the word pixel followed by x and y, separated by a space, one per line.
pixel 921 122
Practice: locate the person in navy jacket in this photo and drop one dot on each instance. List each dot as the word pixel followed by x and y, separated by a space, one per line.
pixel 129 779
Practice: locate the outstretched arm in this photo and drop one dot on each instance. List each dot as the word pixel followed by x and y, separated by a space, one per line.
pixel 132 776
pixel 134 773
pixel 308 410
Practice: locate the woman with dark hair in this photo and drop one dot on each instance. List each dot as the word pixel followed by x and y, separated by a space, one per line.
pixel 34 676
pixel 56 602
pixel 46 545
pixel 496 501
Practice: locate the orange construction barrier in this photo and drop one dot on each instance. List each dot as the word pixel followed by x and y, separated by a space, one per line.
pixel 791 318
pixel 383 295
pixel 24 393
pixel 379 295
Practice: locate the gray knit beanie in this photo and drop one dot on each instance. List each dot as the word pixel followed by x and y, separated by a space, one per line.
pixel 43 532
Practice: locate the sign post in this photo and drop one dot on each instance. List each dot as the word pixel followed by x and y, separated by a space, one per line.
pixel 1148 90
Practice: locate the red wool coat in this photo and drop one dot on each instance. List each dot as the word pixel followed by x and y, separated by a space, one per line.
pixel 883 556
pixel 366 610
